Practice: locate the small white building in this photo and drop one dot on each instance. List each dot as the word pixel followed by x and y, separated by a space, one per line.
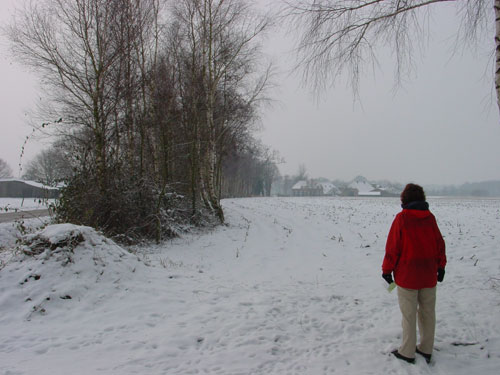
pixel 305 188
pixel 364 188
pixel 330 189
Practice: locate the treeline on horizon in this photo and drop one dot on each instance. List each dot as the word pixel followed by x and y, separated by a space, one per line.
pixel 473 189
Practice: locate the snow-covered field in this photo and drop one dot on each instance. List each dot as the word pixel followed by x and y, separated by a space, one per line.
pixel 289 286
pixel 25 204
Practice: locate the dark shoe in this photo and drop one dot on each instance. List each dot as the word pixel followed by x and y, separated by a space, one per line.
pixel 426 356
pixel 402 357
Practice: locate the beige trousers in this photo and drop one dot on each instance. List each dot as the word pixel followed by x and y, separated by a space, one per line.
pixel 422 304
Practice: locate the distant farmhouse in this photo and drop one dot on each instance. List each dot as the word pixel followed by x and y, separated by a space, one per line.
pixel 15 188
pixel 359 187
pixel 311 188
pixel 330 189
pixel 362 188
pixel 307 188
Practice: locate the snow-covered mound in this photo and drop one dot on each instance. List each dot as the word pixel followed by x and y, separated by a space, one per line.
pixel 60 265
pixel 24 204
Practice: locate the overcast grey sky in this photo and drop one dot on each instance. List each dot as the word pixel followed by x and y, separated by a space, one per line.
pixel 18 94
pixel 442 126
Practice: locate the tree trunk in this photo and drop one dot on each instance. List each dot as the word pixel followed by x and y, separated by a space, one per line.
pixel 497 50
pixel 211 181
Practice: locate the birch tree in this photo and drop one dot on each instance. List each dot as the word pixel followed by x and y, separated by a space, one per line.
pixel 228 32
pixel 343 35
pixel 219 36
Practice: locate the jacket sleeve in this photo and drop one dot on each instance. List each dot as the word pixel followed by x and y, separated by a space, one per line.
pixel 393 246
pixel 441 247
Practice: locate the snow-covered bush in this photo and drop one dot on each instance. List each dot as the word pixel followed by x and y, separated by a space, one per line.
pixel 128 208
pixel 59 240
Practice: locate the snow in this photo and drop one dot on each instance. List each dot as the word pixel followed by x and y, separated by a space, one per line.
pixel 24 204
pixel 289 286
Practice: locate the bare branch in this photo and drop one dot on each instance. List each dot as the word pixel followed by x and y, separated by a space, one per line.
pixel 338 36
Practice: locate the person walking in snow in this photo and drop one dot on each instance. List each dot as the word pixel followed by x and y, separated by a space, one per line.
pixel 415 254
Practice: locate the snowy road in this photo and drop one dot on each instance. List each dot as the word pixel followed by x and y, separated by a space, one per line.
pixel 289 286
pixel 11 216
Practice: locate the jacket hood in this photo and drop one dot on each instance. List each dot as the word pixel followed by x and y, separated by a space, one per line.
pixel 416 205
pixel 418 209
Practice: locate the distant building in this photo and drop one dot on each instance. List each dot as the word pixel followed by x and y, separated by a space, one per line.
pixel 308 188
pixel 329 188
pixel 15 188
pixel 358 187
pixel 363 187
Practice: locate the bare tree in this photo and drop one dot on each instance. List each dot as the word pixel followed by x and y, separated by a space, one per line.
pixel 50 166
pixel 5 170
pixel 227 35
pixel 302 172
pixel 89 52
pixel 343 35
pixel 218 42
pixel 69 43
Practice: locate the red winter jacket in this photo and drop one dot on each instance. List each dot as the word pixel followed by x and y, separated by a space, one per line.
pixel 415 250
